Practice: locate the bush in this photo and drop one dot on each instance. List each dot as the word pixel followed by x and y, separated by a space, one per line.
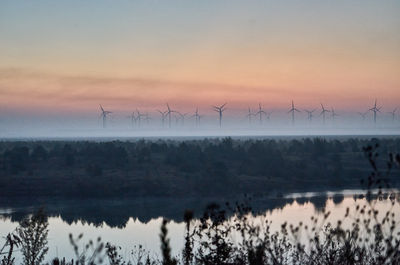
pixel 33 235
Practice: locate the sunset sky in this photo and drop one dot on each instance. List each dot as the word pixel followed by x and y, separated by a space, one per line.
pixel 69 56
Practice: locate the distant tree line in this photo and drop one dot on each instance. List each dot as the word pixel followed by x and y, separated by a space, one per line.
pixel 183 168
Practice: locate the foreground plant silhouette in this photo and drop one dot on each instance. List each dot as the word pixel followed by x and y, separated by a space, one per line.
pixel 31 238
pixel 235 234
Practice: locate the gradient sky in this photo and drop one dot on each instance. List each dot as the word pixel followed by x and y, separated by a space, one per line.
pixel 68 56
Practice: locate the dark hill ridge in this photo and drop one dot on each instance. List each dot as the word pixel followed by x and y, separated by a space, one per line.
pixel 207 167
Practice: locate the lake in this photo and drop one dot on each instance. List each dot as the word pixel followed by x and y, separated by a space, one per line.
pixel 134 222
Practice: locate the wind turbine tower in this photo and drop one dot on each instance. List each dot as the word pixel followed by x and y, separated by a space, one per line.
pixel 139 116
pixel 375 109
pixel 333 114
pixel 181 117
pixel 393 113
pixel 133 118
pixel 104 114
pixel 169 111
pixel 260 112
pixel 197 116
pixel 292 110
pixel 309 114
pixel 163 115
pixel 363 115
pixel 323 112
pixel 220 110
pixel 147 118
pixel 248 116
pixel 268 115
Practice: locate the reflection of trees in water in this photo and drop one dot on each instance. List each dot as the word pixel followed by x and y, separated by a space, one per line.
pixel 116 213
pixel 302 200
pixel 319 203
pixel 337 198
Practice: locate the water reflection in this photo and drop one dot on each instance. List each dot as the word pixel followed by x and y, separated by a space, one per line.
pixel 117 212
pixel 131 222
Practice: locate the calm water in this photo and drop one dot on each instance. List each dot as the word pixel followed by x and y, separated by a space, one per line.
pixel 134 222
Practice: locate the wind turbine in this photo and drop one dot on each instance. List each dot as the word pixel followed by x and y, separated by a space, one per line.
pixel 310 114
pixel 249 116
pixel 333 114
pixel 163 115
pixel 104 114
pixel 363 114
pixel 182 117
pixel 268 115
pixel 200 116
pixel 177 118
pixel 133 118
pixel 375 109
pixel 260 112
pixel 292 110
pixel 197 116
pixel 169 111
pixel 220 110
pixel 393 113
pixel 323 112
pixel 147 118
pixel 139 116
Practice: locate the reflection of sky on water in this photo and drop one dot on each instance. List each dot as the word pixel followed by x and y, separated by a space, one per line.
pixel 349 192
pixel 134 233
pixel 147 234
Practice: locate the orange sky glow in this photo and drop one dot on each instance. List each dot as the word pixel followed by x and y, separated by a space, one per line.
pixel 343 56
